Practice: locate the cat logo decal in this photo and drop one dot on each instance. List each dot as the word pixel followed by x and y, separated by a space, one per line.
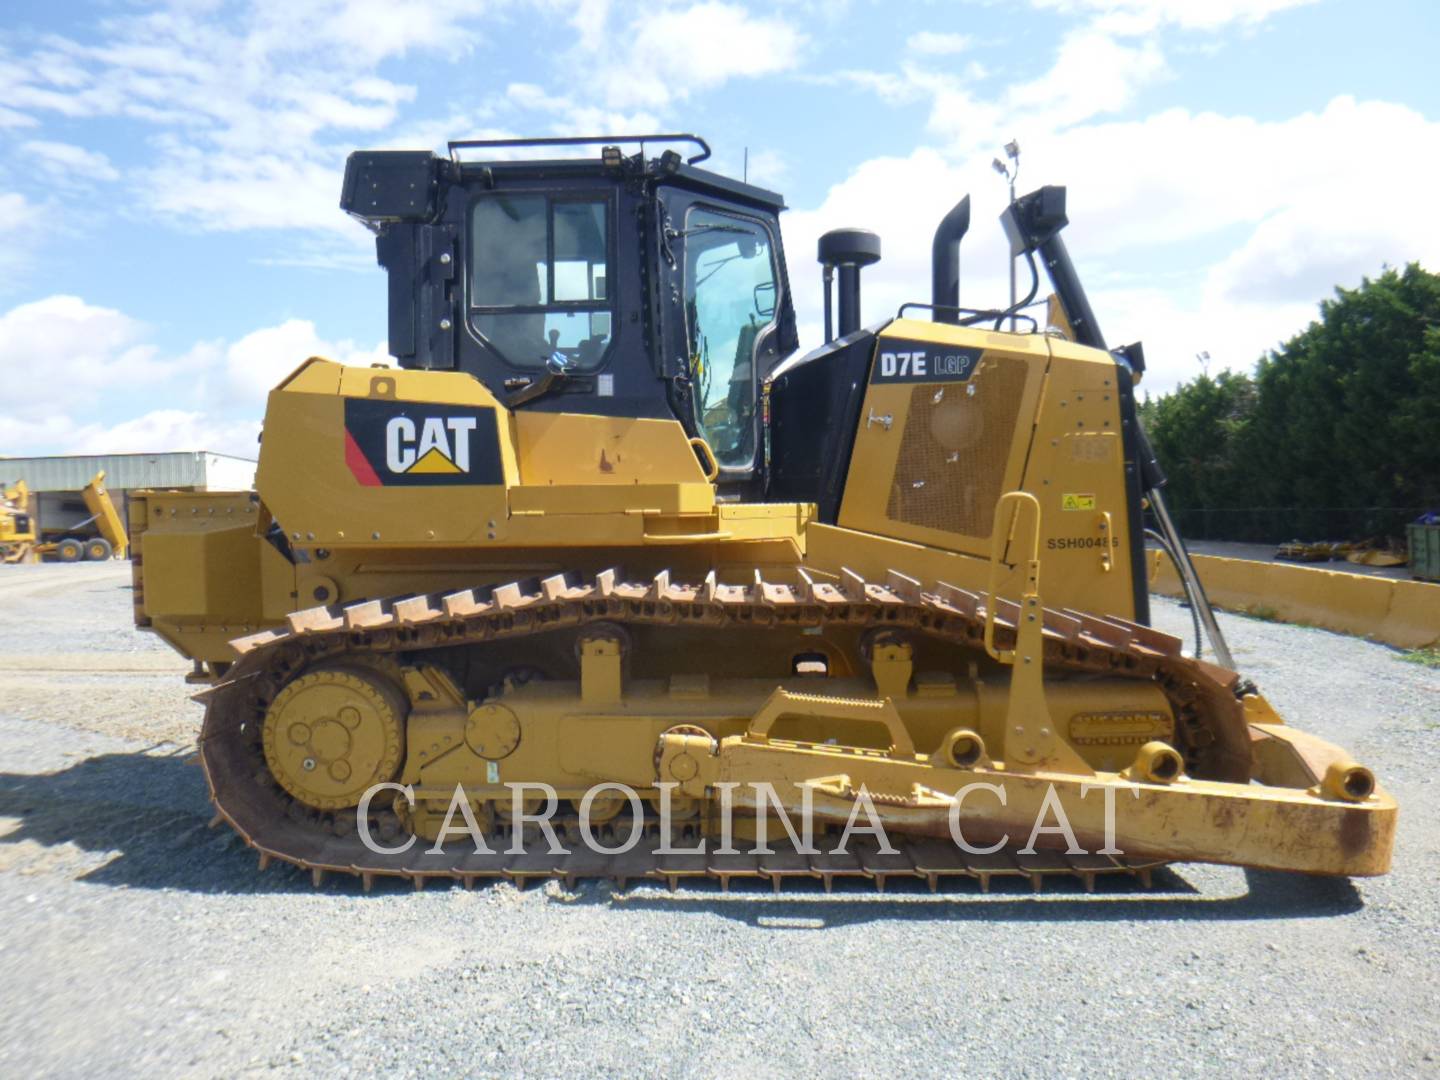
pixel 411 443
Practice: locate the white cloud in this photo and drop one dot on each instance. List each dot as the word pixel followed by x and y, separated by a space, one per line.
pixel 258 361
pixel 67 161
pixel 1301 251
pixel 157 431
pixel 704 45
pixel 263 190
pixel 1307 180
pixel 589 17
pixel 902 199
pixel 258 112
pixel 21 225
pixel 64 351
pixel 165 430
pixel 372 88
pixel 667 54
pixel 255 112
pixel 933 43
pixel 15 211
pixel 1175 326
pixel 904 87
pixel 1139 16
pixel 565 115
pixel 1191 231
pixel 10 118
pixel 94 384
pixel 1093 74
pixel 372 30
pixel 767 168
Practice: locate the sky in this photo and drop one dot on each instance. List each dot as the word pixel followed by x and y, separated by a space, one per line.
pixel 171 244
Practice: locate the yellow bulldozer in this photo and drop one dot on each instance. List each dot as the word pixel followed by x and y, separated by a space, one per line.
pixel 608 579
pixel 97 538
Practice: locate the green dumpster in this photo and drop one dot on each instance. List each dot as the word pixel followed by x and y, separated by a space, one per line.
pixel 1424 552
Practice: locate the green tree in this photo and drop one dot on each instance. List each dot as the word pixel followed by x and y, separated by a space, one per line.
pixel 1344 415
pixel 1196 431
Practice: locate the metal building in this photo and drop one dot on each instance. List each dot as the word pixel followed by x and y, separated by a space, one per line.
pixel 55 482
pixel 197 470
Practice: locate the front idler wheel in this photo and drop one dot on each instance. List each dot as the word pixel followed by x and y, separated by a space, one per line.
pixel 332 734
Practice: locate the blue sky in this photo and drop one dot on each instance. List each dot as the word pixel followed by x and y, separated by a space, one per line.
pixel 170 243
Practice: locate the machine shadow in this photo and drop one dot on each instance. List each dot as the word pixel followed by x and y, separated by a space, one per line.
pixel 150 813
pixel 804 905
pixel 148 810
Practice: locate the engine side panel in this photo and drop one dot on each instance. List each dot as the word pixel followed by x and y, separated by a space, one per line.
pixel 954 417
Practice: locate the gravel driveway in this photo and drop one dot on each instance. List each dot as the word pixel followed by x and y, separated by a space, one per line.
pixel 136 941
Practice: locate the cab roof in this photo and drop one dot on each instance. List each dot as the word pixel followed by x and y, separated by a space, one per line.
pixel 497 156
pixel 403 185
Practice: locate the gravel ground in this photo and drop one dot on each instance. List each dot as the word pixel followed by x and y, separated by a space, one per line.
pixel 137 941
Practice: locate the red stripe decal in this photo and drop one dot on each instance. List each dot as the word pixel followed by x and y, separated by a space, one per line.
pixel 363 470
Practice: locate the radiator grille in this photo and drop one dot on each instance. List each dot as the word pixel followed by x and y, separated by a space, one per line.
pixel 956 445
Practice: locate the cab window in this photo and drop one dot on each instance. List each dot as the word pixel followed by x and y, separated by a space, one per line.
pixel 539 270
pixel 729 299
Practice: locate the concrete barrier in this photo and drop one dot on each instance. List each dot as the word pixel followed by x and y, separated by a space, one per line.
pixel 1397 612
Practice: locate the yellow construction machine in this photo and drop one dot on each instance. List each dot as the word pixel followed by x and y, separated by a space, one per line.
pixel 607 579
pixel 99 537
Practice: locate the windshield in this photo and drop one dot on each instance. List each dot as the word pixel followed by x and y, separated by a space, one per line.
pixel 538 279
pixel 729 299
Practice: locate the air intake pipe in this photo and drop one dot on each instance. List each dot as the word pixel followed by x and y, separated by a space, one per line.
pixel 945 262
pixel 1033 223
pixel 849 250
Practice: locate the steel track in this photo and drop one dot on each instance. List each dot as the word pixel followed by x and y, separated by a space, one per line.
pixel 1211 729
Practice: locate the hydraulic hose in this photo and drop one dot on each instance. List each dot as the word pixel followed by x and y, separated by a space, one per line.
pixel 1184 584
pixel 1199 602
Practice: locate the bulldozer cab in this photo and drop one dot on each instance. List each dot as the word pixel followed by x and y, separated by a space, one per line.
pixel 620 284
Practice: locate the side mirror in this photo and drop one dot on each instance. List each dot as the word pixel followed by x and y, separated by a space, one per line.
pixel 765 300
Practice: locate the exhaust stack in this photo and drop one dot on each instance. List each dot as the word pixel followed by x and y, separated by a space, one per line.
pixel 851 250
pixel 945 262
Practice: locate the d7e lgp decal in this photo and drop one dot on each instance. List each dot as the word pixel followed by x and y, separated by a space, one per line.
pixel 903 361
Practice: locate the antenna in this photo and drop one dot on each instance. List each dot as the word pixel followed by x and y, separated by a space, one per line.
pixel 745 176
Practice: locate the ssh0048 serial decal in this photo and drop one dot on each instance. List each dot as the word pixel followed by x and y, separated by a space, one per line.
pixel 902 361
pixel 412 443
pixel 1074 543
